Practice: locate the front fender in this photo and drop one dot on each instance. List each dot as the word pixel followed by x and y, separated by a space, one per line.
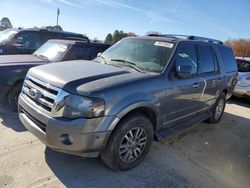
pixel 130 103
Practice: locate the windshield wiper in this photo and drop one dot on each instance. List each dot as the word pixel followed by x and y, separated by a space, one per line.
pixel 130 64
pixel 103 59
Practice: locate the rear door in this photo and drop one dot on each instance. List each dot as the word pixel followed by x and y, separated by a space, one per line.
pixel 210 74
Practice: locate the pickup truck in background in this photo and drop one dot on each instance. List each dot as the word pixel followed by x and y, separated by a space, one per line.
pixel 26 41
pixel 13 68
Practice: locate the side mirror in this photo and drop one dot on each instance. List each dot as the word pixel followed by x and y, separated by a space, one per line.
pixel 99 54
pixel 184 71
pixel 19 42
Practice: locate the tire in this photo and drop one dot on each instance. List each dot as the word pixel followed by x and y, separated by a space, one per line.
pixel 119 157
pixel 13 96
pixel 218 109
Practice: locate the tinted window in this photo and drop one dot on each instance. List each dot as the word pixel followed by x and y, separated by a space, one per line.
pixel 228 59
pixel 98 49
pixel 206 59
pixel 187 56
pixel 80 52
pixel 29 40
pixel 243 66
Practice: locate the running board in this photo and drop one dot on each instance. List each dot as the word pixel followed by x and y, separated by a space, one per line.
pixel 186 123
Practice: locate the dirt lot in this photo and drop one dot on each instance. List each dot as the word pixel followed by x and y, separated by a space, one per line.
pixel 205 156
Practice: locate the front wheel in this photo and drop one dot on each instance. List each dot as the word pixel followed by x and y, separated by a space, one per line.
pixel 129 143
pixel 13 96
pixel 218 109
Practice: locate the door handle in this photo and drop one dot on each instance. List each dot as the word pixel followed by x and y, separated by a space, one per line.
pixel 195 85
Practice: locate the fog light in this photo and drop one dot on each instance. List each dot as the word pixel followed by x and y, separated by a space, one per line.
pixel 66 139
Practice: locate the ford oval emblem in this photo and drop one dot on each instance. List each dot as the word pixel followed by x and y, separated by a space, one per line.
pixel 35 94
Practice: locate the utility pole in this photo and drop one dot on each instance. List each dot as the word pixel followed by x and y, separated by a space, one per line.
pixel 57 16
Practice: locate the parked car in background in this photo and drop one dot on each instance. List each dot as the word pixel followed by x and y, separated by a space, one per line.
pixel 139 89
pixel 26 41
pixel 13 68
pixel 242 88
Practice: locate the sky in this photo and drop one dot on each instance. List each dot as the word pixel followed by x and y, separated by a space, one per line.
pixel 219 19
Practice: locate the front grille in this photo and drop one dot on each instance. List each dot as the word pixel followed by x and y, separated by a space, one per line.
pixel 38 123
pixel 42 94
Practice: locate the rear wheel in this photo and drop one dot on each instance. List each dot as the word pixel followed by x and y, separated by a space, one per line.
pixel 13 96
pixel 218 109
pixel 129 143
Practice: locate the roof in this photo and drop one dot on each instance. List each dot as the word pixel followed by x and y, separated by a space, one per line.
pixel 51 31
pixel 77 41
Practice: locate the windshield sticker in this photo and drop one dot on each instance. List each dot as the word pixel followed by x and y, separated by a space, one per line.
pixel 164 44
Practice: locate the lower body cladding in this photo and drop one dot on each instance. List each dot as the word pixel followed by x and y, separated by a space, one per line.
pixel 82 137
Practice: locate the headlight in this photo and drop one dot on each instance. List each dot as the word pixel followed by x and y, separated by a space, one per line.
pixel 78 106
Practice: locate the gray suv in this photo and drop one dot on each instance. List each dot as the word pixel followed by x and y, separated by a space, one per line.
pixel 138 90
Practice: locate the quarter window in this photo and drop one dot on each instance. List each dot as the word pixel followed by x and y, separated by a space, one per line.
pixel 228 59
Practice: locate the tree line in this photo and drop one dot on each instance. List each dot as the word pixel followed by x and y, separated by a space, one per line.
pixel 5 23
pixel 117 35
pixel 241 47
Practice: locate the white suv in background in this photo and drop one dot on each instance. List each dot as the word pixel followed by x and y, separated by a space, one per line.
pixel 242 89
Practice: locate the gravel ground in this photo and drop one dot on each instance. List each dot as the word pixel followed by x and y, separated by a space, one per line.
pixel 204 156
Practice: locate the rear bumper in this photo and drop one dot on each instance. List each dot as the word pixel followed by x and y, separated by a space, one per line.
pixel 84 136
pixel 242 91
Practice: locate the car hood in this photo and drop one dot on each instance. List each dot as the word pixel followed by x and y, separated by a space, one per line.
pixel 19 60
pixel 81 77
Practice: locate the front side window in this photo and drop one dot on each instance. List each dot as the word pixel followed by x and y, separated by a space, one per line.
pixel 206 59
pixel 52 50
pixel 80 52
pixel 144 54
pixel 29 40
pixel 187 56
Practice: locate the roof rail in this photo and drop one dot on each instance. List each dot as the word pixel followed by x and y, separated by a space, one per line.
pixel 85 39
pixel 205 39
pixel 190 37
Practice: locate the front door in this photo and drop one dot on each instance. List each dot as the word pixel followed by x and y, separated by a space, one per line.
pixel 183 94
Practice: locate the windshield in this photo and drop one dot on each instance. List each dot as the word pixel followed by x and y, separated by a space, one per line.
pixel 243 66
pixel 7 34
pixel 52 50
pixel 144 54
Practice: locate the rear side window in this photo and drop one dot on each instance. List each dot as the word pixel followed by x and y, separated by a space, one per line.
pixel 80 52
pixel 228 59
pixel 206 58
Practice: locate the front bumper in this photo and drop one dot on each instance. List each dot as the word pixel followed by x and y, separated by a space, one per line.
pixel 242 91
pixel 88 136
